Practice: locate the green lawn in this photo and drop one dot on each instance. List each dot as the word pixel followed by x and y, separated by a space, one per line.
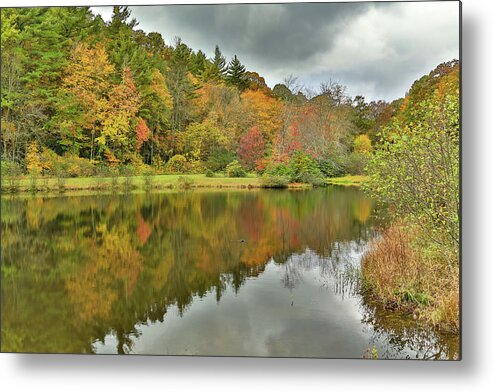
pixel 135 182
pixel 168 181
pixel 347 180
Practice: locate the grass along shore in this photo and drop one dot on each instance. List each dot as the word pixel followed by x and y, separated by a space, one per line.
pixel 404 271
pixel 347 180
pixel 140 182
pixel 97 183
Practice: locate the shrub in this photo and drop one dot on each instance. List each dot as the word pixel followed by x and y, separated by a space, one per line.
pixel 273 181
pixel 67 166
pixel 219 159
pixel 49 160
pixel 33 182
pixel 305 169
pixel 234 169
pixel 128 183
pixel 332 167
pixel 177 164
pixel 11 173
pixel 195 167
pixel 60 169
pixel 184 182
pixel 279 169
pixel 362 144
pixel 78 167
pixel 11 169
pixel 355 163
pixel 61 182
pixel 209 173
pixel 102 170
pixel 158 164
pixel 311 178
pixel 127 172
pixel 114 178
pixel 134 161
pixel 148 179
pixel 45 185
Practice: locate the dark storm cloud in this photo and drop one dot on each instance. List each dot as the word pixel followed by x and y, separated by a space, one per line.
pixel 376 49
pixel 273 33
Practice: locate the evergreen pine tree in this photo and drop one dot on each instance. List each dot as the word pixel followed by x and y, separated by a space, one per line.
pixel 219 61
pixel 236 74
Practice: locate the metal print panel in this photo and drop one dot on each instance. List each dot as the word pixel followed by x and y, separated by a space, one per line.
pixel 271 180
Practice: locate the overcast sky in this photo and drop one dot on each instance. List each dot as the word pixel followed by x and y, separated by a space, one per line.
pixel 376 50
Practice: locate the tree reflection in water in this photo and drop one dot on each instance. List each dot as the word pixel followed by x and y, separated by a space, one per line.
pixel 80 269
pixel 399 336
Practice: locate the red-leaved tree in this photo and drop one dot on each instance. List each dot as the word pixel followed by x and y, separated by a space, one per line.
pixel 143 132
pixel 251 148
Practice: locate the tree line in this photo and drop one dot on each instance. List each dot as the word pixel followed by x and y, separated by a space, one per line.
pixel 80 94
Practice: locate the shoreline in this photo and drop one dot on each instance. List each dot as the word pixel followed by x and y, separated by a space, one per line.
pixel 131 184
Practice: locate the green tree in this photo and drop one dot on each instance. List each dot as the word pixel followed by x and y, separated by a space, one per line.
pixel 219 61
pixel 12 69
pixel 281 92
pixel 180 85
pixel 198 63
pixel 416 163
pixel 236 74
pixel 120 17
pixel 157 105
pixel 201 140
pixel 215 69
pixel 36 43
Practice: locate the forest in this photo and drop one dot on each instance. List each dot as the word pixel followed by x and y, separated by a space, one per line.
pixel 82 97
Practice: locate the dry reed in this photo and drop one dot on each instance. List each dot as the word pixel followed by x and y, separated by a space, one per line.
pixel 405 273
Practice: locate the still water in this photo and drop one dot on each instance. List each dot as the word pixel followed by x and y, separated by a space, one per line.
pixel 255 273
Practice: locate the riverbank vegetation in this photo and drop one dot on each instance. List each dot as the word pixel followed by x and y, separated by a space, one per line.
pixel 415 168
pixel 105 99
pixel 347 180
pixel 145 182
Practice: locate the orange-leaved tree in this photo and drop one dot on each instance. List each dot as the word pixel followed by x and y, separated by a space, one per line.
pixel 251 148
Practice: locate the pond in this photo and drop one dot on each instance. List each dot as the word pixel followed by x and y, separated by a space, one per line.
pixel 245 273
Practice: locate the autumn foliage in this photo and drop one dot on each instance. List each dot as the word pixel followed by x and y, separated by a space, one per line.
pixel 109 94
pixel 142 132
pixel 252 148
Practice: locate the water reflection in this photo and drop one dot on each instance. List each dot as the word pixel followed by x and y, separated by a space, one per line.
pixel 398 336
pixel 218 273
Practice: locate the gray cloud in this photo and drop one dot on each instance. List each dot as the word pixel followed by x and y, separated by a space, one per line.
pixel 375 49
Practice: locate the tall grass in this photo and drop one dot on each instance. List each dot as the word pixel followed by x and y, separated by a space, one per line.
pixel 61 182
pixel 404 272
pixel 13 184
pixel 33 183
pixel 148 180
pixel 185 182
pixel 128 183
